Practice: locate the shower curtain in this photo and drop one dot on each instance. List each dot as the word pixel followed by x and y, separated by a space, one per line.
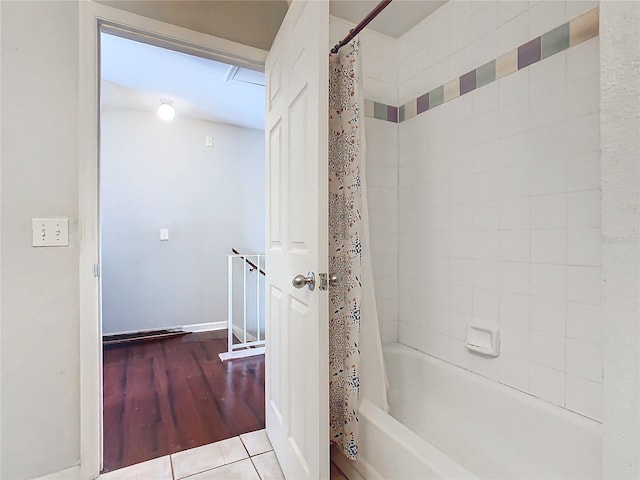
pixel 352 309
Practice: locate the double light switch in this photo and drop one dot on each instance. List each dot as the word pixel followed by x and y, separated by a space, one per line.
pixel 50 232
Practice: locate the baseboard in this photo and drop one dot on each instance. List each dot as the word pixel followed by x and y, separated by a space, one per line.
pixel 197 327
pixel 239 333
pixel 72 473
pixel 204 327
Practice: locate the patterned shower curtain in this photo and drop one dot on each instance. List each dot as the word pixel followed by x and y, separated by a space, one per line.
pixel 345 247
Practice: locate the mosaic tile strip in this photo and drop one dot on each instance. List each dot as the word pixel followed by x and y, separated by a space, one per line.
pixel 561 38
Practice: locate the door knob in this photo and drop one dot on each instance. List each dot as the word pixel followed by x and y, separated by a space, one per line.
pixel 299 281
pixel 334 280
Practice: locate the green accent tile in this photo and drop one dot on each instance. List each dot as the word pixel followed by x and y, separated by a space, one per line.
pixel 436 97
pixel 401 114
pixel 555 40
pixel 379 111
pixel 486 74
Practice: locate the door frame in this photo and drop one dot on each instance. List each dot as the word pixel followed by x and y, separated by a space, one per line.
pixel 92 17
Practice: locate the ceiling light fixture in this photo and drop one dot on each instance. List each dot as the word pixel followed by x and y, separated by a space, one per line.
pixel 166 111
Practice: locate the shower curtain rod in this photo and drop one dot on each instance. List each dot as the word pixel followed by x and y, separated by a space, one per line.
pixel 363 23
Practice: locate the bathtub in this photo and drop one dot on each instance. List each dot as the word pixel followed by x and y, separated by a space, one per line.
pixel 445 422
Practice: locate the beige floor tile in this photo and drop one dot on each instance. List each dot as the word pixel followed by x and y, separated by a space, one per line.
pixel 199 459
pixel 256 442
pixel 242 470
pixel 267 466
pixel 156 469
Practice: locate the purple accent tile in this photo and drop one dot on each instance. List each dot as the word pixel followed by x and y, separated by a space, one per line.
pixel 423 103
pixel 529 53
pixel 468 82
pixel 392 114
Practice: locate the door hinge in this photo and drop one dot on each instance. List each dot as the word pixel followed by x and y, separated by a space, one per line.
pixel 323 281
pixel 96 270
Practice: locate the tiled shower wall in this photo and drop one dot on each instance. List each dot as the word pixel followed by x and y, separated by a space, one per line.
pixel 380 72
pixel 499 201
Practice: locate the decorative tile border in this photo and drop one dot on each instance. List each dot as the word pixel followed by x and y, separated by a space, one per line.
pixel 380 111
pixel 567 35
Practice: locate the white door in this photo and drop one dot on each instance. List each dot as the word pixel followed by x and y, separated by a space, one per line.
pixel 297 354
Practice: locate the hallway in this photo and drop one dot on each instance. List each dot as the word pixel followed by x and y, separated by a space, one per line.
pixel 165 396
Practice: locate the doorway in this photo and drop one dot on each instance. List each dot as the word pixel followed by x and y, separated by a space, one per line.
pixel 177 196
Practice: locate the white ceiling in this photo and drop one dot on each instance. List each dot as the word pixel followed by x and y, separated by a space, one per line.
pixel 396 19
pixel 136 76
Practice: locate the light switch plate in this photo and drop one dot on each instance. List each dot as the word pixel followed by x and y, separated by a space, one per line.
pixel 164 234
pixel 50 232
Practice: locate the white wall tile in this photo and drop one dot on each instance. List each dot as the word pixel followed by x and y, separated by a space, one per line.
pixel 584 246
pixel 514 32
pixel 584 359
pixel 548 176
pixel 548 75
pixel 548 349
pixel 502 214
pixel 583 209
pixel 548 212
pixel 576 8
pixel 549 142
pixel 514 309
pixel 509 9
pixel 584 397
pixel 583 96
pixel 545 16
pixel 460 354
pixel 583 59
pixel 548 281
pixel 514 277
pixel 549 107
pixel 515 214
pixel 549 315
pixel 584 285
pixel 584 322
pixel 514 245
pixel 548 384
pixel 389 332
pixel 583 171
pixel 514 371
pixel 548 246
pixel 486 304
pixel 514 182
pixel 577 140
pixel 513 88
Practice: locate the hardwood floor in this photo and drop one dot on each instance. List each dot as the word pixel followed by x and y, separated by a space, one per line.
pixel 168 395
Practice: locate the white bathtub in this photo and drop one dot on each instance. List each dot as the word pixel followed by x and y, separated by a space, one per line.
pixel 448 423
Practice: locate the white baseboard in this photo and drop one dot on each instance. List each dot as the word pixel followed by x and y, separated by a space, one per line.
pixel 197 327
pixel 72 473
pixel 238 332
pixel 204 327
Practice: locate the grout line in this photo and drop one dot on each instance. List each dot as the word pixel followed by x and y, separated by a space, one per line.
pixel 173 473
pixel 256 468
pixel 215 468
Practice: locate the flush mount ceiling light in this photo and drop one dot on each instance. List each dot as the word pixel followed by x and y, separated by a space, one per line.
pixel 166 111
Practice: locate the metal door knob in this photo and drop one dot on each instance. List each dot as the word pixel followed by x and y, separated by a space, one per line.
pixel 299 281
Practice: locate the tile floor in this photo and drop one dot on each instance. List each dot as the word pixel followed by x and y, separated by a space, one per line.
pixel 247 457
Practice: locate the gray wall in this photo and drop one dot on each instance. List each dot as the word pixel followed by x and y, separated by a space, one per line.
pixel 160 174
pixel 249 22
pixel 40 373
